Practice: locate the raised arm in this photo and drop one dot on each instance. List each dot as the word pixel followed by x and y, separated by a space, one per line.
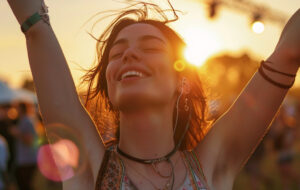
pixel 58 99
pixel 235 135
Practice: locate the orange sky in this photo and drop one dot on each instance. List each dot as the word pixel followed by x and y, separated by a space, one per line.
pixel 229 32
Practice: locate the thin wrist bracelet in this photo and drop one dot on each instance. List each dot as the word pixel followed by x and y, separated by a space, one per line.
pixel 30 22
pixel 267 78
pixel 263 64
pixel 41 15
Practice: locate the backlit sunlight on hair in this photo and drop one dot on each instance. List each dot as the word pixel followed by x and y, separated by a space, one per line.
pixel 201 45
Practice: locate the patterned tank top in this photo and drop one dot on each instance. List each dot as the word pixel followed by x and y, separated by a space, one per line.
pixel 112 174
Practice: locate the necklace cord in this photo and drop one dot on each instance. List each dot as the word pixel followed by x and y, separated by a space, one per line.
pixel 147 161
pixel 160 159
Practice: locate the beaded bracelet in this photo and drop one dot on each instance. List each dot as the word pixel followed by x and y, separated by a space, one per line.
pixel 267 78
pixel 41 15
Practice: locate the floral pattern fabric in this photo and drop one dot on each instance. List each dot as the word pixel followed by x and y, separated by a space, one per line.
pixel 114 177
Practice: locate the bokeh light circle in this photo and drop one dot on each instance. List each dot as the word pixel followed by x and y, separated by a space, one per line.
pixel 58 161
pixel 179 65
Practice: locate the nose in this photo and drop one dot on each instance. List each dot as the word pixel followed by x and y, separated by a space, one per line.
pixel 130 55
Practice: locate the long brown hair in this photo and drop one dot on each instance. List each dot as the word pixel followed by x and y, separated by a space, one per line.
pixel 97 100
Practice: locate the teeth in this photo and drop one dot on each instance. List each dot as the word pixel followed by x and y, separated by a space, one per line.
pixel 132 73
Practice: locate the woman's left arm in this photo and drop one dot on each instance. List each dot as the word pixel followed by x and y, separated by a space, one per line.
pixel 236 134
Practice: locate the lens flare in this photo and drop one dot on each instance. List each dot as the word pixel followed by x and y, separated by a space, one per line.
pixel 58 161
pixel 179 65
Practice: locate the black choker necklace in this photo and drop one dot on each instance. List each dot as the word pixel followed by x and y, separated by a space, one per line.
pixel 148 161
pixel 156 160
pixel 166 158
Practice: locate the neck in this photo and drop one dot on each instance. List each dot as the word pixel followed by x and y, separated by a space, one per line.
pixel 147 133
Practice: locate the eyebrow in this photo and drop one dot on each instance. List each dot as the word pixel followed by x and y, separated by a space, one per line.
pixel 143 38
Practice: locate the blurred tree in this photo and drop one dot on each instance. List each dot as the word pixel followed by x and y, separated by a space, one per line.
pixel 226 76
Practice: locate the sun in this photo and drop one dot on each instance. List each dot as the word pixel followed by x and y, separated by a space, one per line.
pixel 258 27
pixel 201 44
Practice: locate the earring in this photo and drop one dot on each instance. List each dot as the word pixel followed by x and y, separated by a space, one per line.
pixel 186 105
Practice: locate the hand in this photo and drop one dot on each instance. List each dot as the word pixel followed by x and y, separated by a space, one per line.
pixel 23 9
pixel 287 50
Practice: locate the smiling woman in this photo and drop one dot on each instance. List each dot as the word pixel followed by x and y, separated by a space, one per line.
pixel 151 118
pixel 136 85
pixel 152 53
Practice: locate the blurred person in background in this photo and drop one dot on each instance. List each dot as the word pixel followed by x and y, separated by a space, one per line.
pixel 4 155
pixel 8 115
pixel 284 137
pixel 26 150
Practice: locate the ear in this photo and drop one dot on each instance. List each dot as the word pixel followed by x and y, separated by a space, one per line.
pixel 184 86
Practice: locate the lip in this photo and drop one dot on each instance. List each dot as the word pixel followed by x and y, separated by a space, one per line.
pixel 131 79
pixel 132 68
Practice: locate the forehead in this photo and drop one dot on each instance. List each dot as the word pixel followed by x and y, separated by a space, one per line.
pixel 135 31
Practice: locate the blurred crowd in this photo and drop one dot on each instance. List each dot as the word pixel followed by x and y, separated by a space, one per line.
pixel 19 144
pixel 21 137
pixel 275 164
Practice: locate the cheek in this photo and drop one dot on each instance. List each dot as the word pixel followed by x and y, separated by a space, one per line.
pixel 166 70
pixel 111 70
pixel 109 74
pixel 167 77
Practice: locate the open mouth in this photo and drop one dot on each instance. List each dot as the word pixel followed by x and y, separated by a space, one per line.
pixel 132 74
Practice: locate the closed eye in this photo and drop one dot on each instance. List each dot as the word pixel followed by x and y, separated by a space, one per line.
pixel 116 55
pixel 152 49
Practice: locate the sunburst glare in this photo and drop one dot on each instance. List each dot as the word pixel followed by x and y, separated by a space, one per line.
pixel 258 27
pixel 201 44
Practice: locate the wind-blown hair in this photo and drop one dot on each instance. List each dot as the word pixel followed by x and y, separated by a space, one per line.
pixel 97 100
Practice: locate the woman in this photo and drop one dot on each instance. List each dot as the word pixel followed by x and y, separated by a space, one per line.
pixel 141 92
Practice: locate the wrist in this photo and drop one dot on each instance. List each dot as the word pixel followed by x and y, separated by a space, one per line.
pixel 41 15
pixel 283 64
pixel 276 77
pixel 36 30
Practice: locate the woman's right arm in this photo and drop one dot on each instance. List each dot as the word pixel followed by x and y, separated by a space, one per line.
pixel 58 99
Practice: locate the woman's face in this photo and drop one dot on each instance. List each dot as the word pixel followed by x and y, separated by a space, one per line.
pixel 140 70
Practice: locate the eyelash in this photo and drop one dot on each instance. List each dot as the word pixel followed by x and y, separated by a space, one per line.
pixel 152 49
pixel 116 55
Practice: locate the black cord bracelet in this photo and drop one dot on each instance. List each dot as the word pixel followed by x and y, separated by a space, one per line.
pixel 283 86
pixel 263 64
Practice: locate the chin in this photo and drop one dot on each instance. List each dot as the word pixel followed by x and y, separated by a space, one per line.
pixel 138 101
